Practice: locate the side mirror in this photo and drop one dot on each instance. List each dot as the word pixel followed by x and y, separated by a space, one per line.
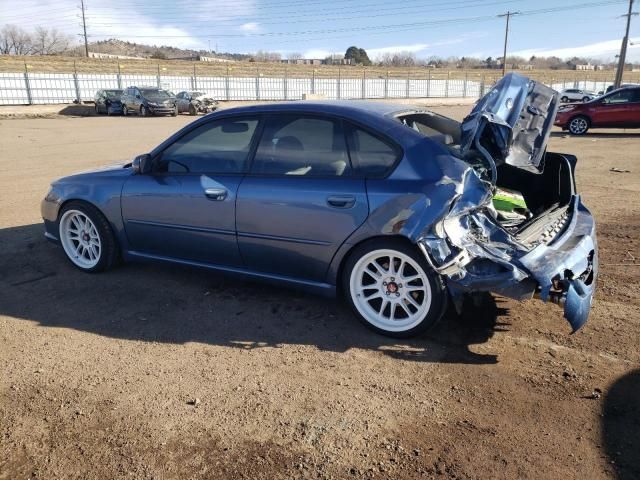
pixel 137 95
pixel 141 164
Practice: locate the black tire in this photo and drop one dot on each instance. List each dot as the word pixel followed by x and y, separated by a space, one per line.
pixel 192 110
pixel 175 111
pixel 564 99
pixel 109 251
pixel 144 111
pixel 125 111
pixel 97 109
pixel 438 290
pixel 585 99
pixel 579 125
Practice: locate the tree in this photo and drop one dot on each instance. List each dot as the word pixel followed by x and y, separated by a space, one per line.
pixel 159 54
pixel 357 56
pixel 48 42
pixel 15 41
pixel 264 56
pixel 294 56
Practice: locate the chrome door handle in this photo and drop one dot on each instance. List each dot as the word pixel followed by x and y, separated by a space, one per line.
pixel 216 193
pixel 341 201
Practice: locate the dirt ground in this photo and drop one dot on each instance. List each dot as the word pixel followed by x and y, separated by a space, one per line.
pixel 100 373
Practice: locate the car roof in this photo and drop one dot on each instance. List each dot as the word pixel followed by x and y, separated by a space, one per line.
pixel 337 107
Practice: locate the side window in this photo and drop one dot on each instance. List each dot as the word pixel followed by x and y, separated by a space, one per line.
pixel 302 145
pixel 624 96
pixel 220 146
pixel 371 155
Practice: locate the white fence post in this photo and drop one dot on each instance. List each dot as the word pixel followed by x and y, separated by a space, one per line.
pixel 406 92
pixel 257 83
pixel 386 85
pixel 364 83
pixel 285 83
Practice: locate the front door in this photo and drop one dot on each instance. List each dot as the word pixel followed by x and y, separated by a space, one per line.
pixel 185 208
pixel 300 200
pixel 618 109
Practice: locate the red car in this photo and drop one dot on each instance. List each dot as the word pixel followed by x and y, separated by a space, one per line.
pixel 617 109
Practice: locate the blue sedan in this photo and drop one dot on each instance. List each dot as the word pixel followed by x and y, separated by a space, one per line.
pixel 398 209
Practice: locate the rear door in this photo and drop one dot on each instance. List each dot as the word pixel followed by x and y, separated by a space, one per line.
pixel 185 208
pixel 300 200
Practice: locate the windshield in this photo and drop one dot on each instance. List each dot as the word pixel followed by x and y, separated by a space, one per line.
pixel 156 94
pixel 113 93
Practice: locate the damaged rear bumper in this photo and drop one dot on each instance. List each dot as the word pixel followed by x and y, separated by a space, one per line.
pixel 478 255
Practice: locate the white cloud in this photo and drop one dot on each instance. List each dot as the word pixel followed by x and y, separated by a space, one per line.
pixel 318 53
pixel 250 27
pixel 414 48
pixel 604 50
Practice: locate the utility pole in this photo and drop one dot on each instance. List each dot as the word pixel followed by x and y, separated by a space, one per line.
pixel 623 48
pixel 84 28
pixel 508 15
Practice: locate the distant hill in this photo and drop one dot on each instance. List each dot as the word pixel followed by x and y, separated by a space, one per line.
pixel 114 46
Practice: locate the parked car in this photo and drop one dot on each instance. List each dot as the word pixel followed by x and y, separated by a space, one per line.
pixel 148 101
pixel 195 102
pixel 573 94
pixel 108 101
pixel 389 205
pixel 617 109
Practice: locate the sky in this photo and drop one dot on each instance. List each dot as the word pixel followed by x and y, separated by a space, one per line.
pixel 318 28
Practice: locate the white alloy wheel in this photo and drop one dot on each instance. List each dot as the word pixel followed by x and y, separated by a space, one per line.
pixel 80 239
pixel 390 290
pixel 578 125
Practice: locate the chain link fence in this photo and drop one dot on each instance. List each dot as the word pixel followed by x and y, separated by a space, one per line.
pixel 27 87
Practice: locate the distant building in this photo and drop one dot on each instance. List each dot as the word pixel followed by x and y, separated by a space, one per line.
pixel 584 66
pixel 109 55
pixel 202 58
pixel 302 61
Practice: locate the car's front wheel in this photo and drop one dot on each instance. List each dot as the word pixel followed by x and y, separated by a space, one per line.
pixel 392 289
pixel 192 110
pixel 86 237
pixel 564 99
pixel 143 111
pixel 125 110
pixel 579 125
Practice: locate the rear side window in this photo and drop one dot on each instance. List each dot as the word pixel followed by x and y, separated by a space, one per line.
pixel 299 145
pixel 220 146
pixel 371 155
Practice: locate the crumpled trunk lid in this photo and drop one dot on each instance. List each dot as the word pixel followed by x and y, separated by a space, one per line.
pixel 512 122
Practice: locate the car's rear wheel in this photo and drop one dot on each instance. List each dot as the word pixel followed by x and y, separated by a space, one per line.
pixel 392 289
pixel 579 125
pixel 585 99
pixel 86 237
pixel 564 99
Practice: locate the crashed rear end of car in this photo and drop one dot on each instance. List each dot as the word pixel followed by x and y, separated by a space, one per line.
pixel 544 247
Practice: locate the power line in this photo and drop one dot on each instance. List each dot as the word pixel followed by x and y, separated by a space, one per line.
pixel 385 27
